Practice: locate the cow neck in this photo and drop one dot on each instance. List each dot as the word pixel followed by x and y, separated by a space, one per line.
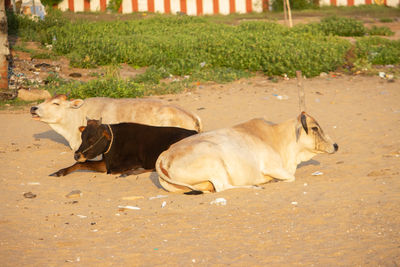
pixel 112 139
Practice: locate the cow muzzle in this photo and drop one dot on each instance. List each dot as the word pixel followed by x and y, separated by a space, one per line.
pixel 35 116
pixel 333 148
pixel 78 156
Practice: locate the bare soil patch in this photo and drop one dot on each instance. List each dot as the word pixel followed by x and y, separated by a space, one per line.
pixel 347 216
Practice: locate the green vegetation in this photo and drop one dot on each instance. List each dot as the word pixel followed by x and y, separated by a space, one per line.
pixel 30 30
pixel 251 46
pixel 342 26
pixel 114 5
pixel 277 5
pixel 385 20
pixel 198 49
pixel 14 104
pixel 49 3
pixel 383 31
pixel 113 87
pixel 108 83
pixel 378 50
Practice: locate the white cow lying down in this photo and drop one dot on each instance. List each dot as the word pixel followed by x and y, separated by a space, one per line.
pixel 65 117
pixel 245 155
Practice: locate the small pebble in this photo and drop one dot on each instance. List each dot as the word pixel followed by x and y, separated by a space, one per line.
pixel 29 195
pixel 317 173
pixel 74 194
pixel 219 201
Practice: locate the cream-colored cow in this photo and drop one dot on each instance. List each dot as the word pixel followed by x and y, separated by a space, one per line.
pixel 248 154
pixel 66 116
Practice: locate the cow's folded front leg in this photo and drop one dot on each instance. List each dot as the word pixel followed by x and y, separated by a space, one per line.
pixel 135 172
pixel 97 166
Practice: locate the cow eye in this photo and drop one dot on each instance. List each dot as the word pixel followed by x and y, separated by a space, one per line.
pixel 57 104
pixel 315 129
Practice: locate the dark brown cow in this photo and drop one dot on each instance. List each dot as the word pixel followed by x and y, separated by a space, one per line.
pixel 126 148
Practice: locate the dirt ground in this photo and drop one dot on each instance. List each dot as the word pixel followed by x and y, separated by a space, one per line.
pixel 348 216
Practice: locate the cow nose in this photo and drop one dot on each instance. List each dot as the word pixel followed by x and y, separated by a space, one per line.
pixel 336 146
pixel 77 155
pixel 33 109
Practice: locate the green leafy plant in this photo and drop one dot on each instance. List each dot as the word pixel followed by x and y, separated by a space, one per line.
pixel 342 26
pixel 383 30
pixel 277 5
pixel 22 48
pixel 200 49
pixel 152 75
pixel 219 75
pixel 378 50
pixel 110 86
pixel 361 64
pixel 50 3
pixel 114 5
pixel 385 20
pixel 251 46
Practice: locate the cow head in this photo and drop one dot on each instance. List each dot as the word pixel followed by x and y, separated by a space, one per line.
pixel 95 140
pixel 54 109
pixel 311 136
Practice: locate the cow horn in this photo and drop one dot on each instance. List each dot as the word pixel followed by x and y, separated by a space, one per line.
pixel 300 86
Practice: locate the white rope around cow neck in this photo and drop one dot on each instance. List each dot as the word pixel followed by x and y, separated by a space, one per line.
pixel 112 139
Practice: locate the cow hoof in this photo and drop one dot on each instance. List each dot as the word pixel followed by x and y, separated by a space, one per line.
pixel 57 174
pixel 258 187
pixel 289 180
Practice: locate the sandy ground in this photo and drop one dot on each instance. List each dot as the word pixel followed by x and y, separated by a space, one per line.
pixel 348 216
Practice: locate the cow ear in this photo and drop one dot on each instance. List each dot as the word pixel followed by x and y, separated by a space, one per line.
pixel 303 120
pixel 76 103
pixel 82 128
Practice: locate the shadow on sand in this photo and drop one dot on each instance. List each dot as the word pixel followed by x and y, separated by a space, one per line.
pixel 53 136
pixel 309 162
pixel 154 178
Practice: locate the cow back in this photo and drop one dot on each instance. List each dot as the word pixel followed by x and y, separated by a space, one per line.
pixel 143 111
pixel 137 145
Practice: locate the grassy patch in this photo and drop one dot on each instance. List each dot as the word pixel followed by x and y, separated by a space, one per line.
pixel 15 104
pixel 386 20
pixel 217 48
pixel 378 51
pixel 383 31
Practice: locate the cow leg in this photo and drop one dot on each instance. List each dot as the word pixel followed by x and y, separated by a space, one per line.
pixel 135 172
pixel 97 166
pixel 280 174
pixel 206 186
